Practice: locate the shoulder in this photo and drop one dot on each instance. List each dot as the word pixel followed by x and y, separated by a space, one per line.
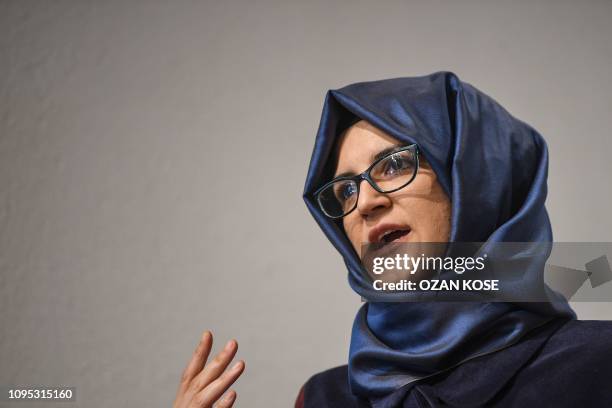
pixel 572 368
pixel 329 388
pixel 584 340
pixel 596 329
pixel 333 377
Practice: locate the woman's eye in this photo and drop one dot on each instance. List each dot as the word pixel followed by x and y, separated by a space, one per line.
pixel 347 191
pixel 397 164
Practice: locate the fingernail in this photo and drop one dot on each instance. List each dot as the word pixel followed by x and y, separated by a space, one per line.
pixel 237 365
pixel 229 345
pixel 230 396
pixel 205 335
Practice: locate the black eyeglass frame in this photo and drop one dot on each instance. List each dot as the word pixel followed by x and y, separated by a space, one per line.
pixel 366 176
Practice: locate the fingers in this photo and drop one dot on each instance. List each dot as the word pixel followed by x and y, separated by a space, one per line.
pixel 228 400
pixel 203 383
pixel 215 367
pixel 216 388
pixel 197 362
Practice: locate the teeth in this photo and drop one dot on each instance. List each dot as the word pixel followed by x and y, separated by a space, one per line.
pixel 385 234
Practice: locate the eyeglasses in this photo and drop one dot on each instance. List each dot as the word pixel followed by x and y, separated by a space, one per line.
pixel 387 174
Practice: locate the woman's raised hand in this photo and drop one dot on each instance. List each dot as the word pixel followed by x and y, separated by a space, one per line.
pixel 202 384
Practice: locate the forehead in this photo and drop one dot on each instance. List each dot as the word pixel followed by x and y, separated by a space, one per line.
pixel 358 144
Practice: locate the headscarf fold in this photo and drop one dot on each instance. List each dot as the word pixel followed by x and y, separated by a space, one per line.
pixel 493 167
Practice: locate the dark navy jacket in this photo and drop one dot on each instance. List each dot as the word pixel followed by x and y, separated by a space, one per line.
pixel 563 364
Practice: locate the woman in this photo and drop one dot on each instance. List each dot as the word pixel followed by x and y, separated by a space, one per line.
pixel 457 168
pixel 479 176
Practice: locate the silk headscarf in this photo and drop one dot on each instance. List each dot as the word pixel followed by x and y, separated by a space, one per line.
pixel 493 167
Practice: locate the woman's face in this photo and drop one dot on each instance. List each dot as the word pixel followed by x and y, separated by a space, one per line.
pixel 419 212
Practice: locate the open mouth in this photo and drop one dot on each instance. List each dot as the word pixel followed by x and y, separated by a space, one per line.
pixel 386 233
pixel 394 235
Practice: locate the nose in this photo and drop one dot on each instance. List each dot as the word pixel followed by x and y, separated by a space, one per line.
pixel 371 201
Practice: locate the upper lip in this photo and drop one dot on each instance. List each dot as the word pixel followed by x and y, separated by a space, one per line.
pixel 375 235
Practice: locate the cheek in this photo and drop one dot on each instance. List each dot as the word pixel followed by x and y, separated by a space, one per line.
pixel 438 226
pixel 433 223
pixel 353 230
pixel 428 208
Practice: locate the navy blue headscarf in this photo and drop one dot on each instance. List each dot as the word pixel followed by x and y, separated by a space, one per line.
pixel 493 168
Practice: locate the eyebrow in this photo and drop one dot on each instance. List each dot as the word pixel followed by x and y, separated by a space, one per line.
pixel 373 158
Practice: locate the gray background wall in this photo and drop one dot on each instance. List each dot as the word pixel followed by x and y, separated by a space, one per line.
pixel 152 157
